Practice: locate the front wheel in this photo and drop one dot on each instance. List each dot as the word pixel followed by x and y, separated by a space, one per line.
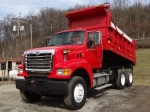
pixel 30 97
pixel 77 93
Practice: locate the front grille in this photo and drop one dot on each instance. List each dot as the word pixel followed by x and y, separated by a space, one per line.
pixel 41 62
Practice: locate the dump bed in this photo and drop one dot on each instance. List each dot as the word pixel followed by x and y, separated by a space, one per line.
pixel 117 46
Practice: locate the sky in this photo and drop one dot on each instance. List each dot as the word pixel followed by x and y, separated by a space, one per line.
pixel 25 6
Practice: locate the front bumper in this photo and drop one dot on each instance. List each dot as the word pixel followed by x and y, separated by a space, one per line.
pixel 42 86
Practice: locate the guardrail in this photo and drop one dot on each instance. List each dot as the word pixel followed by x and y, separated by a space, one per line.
pixel 142 39
pixel 143 42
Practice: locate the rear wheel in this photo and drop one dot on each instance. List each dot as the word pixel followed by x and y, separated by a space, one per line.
pixel 129 77
pixel 120 81
pixel 30 97
pixel 77 92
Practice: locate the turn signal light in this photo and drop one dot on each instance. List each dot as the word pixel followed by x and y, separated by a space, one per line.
pixel 64 72
pixel 66 51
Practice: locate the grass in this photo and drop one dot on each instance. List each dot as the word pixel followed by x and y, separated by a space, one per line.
pixel 142 68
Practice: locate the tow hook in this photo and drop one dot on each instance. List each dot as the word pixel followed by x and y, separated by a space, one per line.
pixel 32 81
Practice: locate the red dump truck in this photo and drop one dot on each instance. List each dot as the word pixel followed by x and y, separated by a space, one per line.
pixel 93 54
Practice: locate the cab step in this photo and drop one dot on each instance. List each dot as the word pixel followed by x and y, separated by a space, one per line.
pixel 102 87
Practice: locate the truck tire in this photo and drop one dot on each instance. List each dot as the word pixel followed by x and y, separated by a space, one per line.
pixel 129 77
pixel 77 93
pixel 120 81
pixel 30 97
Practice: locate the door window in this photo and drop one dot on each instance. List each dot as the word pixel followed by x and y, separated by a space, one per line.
pixel 93 39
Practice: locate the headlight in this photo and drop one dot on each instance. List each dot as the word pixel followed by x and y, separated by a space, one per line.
pixel 20 71
pixel 64 72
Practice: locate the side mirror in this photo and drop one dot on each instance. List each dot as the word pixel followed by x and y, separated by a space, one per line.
pixel 98 37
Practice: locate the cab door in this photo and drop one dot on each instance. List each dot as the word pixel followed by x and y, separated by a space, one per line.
pixel 93 53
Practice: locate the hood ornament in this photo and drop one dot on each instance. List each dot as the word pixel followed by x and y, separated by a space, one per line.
pixel 37 53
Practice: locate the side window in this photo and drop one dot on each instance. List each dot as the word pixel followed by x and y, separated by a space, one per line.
pixel 3 66
pixel 98 37
pixel 91 39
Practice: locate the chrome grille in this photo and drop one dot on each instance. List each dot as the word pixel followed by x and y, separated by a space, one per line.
pixel 41 62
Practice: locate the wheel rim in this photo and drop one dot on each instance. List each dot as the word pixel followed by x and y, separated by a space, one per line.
pixel 78 93
pixel 130 78
pixel 123 79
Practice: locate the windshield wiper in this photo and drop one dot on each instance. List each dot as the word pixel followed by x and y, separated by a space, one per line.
pixel 66 43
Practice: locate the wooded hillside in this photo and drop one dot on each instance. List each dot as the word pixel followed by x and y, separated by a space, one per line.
pixel 131 17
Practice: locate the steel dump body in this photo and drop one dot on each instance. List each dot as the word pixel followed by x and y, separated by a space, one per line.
pixel 117 46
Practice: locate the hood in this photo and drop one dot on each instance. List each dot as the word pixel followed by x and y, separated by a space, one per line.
pixel 56 52
pixel 56 48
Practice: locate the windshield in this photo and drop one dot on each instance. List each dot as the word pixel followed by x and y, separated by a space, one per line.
pixel 73 37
